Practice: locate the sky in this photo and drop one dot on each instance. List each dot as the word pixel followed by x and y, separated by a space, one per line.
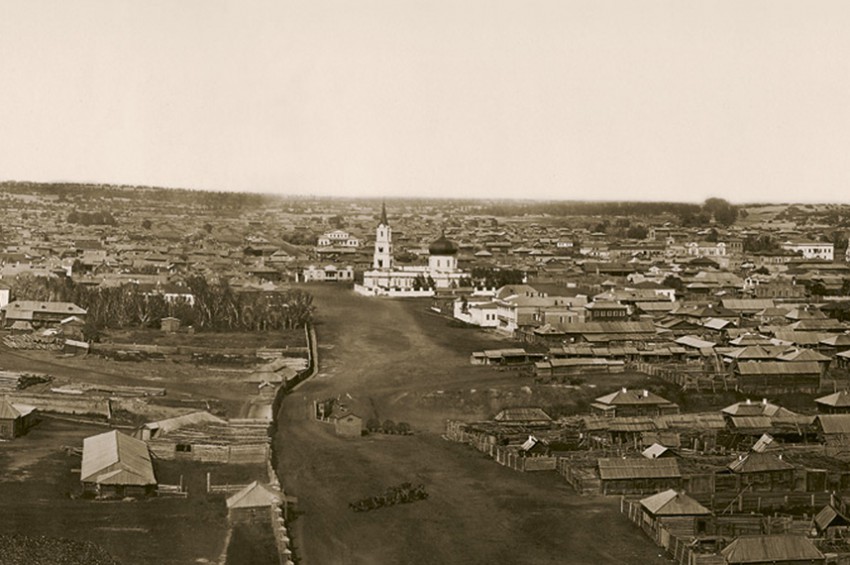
pixel 747 100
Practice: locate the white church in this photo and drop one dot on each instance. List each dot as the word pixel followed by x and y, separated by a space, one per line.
pixel 386 279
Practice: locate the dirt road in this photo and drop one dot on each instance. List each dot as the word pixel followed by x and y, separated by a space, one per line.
pixel 375 352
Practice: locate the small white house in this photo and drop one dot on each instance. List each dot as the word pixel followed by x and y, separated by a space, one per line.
pixel 480 313
pixel 329 273
pixel 338 238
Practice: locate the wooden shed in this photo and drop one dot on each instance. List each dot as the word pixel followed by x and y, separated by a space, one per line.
pixel 775 549
pixel 638 475
pixel 777 377
pixel 201 436
pixel 115 464
pixel 523 416
pixel 15 419
pixel 169 324
pixel 831 523
pixel 252 503
pixel 835 403
pixel 833 429
pixel 673 512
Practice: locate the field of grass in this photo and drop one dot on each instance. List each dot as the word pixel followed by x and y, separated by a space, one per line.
pixel 386 357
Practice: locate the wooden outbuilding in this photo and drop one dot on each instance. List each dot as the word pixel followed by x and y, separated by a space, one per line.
pixel 831 523
pixel 762 472
pixel 638 475
pixel 833 429
pixel 15 419
pixel 252 504
pixel 777 377
pixel 116 465
pixel 835 403
pixel 774 549
pixel 673 512
pixel 529 416
pixel 169 324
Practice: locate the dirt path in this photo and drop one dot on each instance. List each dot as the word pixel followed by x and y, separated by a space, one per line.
pixel 375 351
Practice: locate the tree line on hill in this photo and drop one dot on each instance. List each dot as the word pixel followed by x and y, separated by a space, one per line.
pixel 224 202
pixel 215 306
pixel 91 218
pixel 715 210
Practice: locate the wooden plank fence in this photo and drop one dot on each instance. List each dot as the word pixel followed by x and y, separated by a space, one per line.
pixel 582 479
pixel 732 502
pixel 688 378
pixel 678 548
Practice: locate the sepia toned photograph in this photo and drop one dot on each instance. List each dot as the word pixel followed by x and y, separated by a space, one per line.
pixel 424 282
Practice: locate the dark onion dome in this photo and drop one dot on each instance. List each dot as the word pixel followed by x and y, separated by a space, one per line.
pixel 442 246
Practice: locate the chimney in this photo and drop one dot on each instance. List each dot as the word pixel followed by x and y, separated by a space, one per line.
pixel 764 401
pixel 645 393
pixel 749 402
pixel 624 390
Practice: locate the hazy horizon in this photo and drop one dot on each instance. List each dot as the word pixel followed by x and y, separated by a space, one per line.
pixel 611 100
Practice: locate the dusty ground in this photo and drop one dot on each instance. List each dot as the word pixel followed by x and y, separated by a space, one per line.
pixel 230 340
pixel 382 353
pixel 37 478
pixel 183 381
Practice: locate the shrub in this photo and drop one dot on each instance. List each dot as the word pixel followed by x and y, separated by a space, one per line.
pixel 373 425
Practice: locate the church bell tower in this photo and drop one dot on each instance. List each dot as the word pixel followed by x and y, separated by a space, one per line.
pixel 383 259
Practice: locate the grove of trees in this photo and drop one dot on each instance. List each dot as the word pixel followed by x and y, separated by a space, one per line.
pixel 91 218
pixel 216 306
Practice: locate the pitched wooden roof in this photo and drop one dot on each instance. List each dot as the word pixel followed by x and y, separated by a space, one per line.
pixel 626 397
pixel 673 503
pixel 755 462
pixel 255 495
pixel 834 423
pixel 522 415
pixel 106 453
pixel 616 468
pixel 836 399
pixel 778 368
pixel 771 549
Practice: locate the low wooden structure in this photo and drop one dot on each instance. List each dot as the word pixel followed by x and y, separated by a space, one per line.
pixel 638 475
pixel 201 436
pixel 625 402
pixel 116 465
pixel 777 377
pixel 15 419
pixel 835 403
pixel 252 504
pixel 762 472
pixel 673 512
pixel 774 549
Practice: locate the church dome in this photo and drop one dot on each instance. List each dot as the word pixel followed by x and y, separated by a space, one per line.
pixel 442 246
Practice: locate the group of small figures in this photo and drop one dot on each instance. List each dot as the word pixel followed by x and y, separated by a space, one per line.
pixel 400 494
